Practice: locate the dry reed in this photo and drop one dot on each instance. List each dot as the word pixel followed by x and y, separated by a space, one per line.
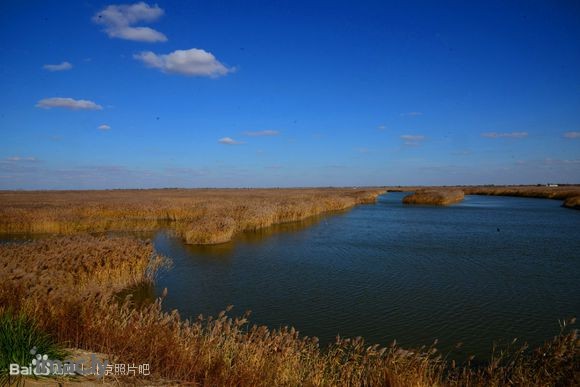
pixel 68 285
pixel 572 202
pixel 434 197
pixel 200 216
pixel 567 193
pixel 543 192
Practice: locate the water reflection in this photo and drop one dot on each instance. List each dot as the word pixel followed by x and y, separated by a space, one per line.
pixel 224 250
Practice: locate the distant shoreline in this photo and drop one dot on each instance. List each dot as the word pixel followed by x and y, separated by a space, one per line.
pixel 210 216
pixel 569 194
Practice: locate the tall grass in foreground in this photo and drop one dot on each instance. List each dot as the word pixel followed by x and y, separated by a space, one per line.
pixel 19 335
pixel 68 285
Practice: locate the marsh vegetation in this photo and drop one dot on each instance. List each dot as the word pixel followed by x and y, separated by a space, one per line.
pixel 200 216
pixel 67 286
pixel 434 197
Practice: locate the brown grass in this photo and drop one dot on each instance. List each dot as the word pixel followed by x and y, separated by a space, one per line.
pixel 565 193
pixel 68 285
pixel 438 197
pixel 200 216
pixel 572 202
pixel 544 192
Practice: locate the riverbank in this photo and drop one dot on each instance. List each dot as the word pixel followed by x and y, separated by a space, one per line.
pixel 199 216
pixel 67 287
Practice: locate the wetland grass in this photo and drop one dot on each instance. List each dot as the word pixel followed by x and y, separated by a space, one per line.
pixel 68 285
pixel 434 197
pixel 200 216
pixel 569 194
pixel 572 202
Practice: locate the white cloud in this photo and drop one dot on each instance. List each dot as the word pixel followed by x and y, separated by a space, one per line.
pixel 140 34
pixel 260 133
pixel 68 103
pixel 412 139
pixel 104 127
pixel 118 21
pixel 58 67
pixel 505 135
pixel 192 62
pixel 381 127
pixel 229 141
pixel 572 134
pixel 412 114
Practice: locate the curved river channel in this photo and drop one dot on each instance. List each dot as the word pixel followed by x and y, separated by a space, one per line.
pixel 487 269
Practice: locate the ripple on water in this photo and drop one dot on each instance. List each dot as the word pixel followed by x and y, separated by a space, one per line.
pixel 488 268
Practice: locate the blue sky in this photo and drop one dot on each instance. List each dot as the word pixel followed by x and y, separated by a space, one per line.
pixel 257 94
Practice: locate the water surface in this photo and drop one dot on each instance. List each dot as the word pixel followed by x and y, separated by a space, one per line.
pixel 486 269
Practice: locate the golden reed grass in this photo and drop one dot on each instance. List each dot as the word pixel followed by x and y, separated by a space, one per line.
pixel 572 202
pixel 200 216
pixel 434 197
pixel 543 192
pixel 569 194
pixel 68 285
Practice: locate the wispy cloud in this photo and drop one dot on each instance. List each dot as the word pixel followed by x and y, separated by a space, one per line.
pixel 572 135
pixel 362 150
pixel 260 133
pixel 20 158
pixel 412 139
pixel 461 153
pixel 336 166
pixel 192 62
pixel 119 21
pixel 68 103
pixel 381 127
pixel 550 161
pixel 229 141
pixel 58 67
pixel 14 166
pixel 175 171
pixel 104 127
pixel 412 114
pixel 505 135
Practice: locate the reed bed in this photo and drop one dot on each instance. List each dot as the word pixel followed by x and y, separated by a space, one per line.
pixel 570 194
pixel 69 286
pixel 572 202
pixel 543 192
pixel 438 197
pixel 200 216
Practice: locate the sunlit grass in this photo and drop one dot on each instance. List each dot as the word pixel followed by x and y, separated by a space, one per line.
pixel 559 193
pixel 439 197
pixel 69 286
pixel 572 202
pixel 200 216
